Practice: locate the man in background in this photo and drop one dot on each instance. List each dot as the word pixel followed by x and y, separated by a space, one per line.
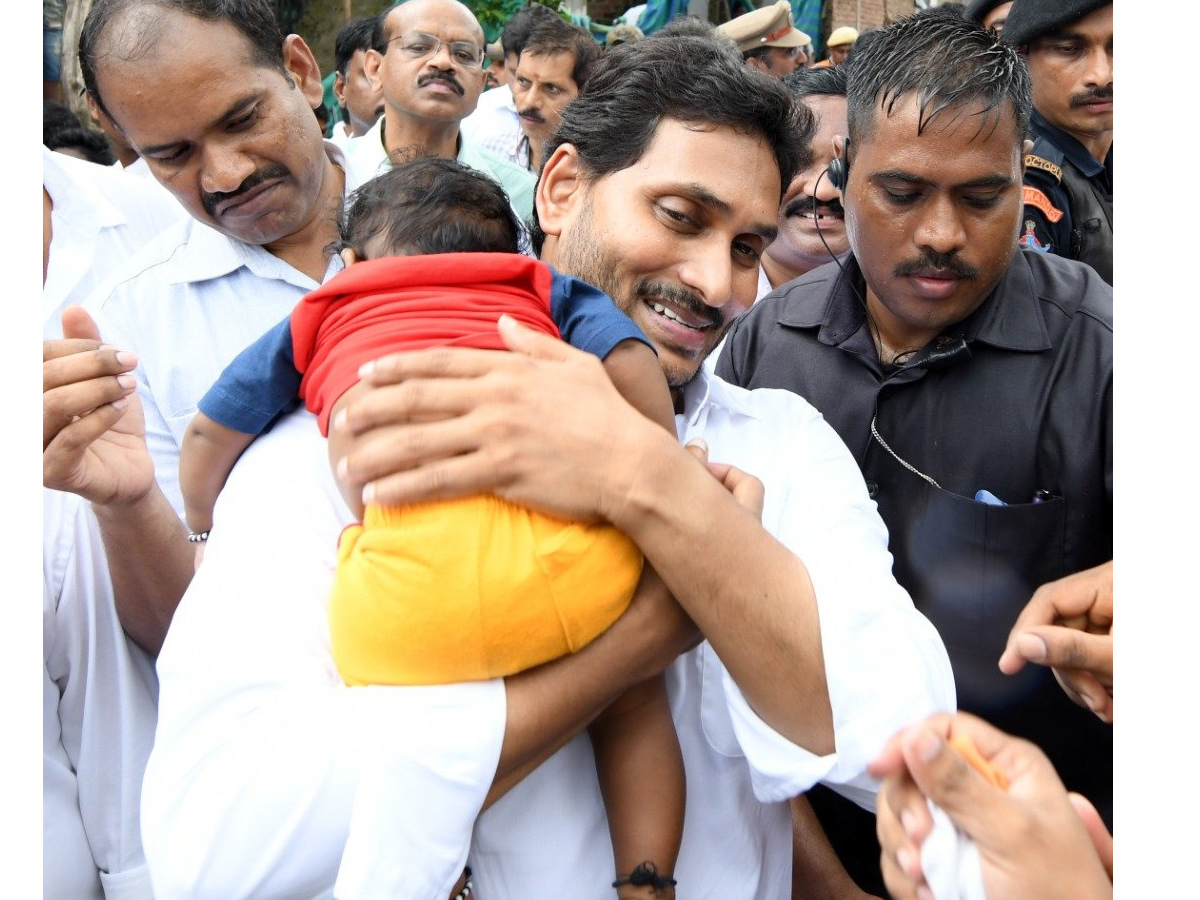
pixel 768 40
pixel 1069 172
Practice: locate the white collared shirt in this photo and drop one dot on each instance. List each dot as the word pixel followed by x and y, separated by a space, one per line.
pixel 101 216
pixel 187 304
pixel 495 125
pixel 258 737
pixel 98 715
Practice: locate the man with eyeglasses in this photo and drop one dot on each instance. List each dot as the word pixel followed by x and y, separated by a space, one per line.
pixel 768 40
pixel 428 60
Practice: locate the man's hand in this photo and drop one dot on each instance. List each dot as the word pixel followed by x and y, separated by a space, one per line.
pixel 1034 843
pixel 1067 625
pixel 542 426
pixel 93 434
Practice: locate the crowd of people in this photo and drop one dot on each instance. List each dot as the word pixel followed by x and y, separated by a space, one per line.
pixel 683 468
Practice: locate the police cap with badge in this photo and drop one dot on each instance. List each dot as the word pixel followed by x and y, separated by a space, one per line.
pixel 770 26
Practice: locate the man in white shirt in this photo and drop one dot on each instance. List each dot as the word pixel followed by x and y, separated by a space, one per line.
pixel 813 658
pixel 227 127
pixel 553 68
pixel 361 100
pixel 494 124
pixel 428 63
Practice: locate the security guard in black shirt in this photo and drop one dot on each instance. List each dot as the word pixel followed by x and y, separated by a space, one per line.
pixel 1068 173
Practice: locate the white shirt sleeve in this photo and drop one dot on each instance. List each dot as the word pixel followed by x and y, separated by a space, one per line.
pixel 885 664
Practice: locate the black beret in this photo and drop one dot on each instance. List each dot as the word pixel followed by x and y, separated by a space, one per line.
pixel 977 9
pixel 1030 19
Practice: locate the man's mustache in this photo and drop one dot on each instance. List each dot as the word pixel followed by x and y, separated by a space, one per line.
pixel 936 265
pixel 533 115
pixel 1091 96
pixel 212 201
pixel 812 204
pixel 441 76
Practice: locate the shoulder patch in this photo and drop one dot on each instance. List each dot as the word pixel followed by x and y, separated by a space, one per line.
pixel 1031 196
pixel 1029 239
pixel 1036 162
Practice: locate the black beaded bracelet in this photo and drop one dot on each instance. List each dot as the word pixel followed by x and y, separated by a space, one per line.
pixel 646 875
pixel 467 889
pixel 197 537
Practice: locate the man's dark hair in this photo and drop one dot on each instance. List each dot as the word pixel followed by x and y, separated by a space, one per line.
pixel 357 34
pixel 253 18
pixel 430 204
pixel 947 62
pixel 692 78
pixel 61 129
pixel 556 36
pixel 827 81
pixel 517 29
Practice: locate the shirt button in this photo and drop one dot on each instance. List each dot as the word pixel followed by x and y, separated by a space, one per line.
pixel 872 489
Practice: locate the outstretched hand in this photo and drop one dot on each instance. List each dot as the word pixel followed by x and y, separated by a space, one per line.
pixel 93 433
pixel 1035 841
pixel 1068 625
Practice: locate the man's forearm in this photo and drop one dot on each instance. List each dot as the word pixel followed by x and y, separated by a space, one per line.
pixel 549 705
pixel 750 596
pixel 150 562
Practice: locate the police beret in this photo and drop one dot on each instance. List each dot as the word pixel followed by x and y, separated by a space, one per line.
pixel 770 26
pixel 842 36
pixel 1030 19
pixel 976 10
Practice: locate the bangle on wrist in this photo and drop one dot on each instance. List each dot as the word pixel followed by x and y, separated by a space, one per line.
pixel 197 537
pixel 646 875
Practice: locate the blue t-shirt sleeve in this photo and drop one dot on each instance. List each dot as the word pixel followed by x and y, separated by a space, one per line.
pixel 588 319
pixel 258 387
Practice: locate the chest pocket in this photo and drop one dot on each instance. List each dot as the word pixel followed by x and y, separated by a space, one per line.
pixel 971 568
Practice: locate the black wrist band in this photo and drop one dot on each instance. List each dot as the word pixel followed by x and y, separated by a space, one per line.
pixel 646 875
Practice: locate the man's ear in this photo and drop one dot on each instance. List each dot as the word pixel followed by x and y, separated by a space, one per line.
pixel 302 68
pixel 559 188
pixel 755 63
pixel 349 257
pixel 373 67
pixel 1026 149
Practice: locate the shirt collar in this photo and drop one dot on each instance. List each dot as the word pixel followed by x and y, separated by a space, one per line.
pixel 1074 151
pixel 1010 317
pixel 207 253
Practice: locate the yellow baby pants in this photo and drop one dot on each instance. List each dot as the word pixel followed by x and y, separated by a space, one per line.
pixel 470 589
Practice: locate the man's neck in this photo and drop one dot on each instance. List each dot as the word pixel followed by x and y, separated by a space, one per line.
pixel 778 273
pixel 403 134
pixel 305 249
pixel 1097 144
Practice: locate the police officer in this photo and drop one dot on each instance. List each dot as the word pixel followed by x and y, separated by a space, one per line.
pixel 841 42
pixel 1068 173
pixel 768 40
pixel 991 14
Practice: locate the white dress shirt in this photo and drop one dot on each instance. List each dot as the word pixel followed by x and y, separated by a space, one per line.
pixel 495 125
pixel 101 216
pixel 98 699
pixel 187 304
pixel 265 765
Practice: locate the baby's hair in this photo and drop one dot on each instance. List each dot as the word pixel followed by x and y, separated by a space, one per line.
pixel 431 205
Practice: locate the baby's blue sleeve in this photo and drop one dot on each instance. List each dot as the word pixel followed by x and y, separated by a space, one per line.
pixel 588 319
pixel 258 387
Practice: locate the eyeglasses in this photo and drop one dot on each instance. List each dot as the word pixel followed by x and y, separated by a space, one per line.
pixel 422 46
